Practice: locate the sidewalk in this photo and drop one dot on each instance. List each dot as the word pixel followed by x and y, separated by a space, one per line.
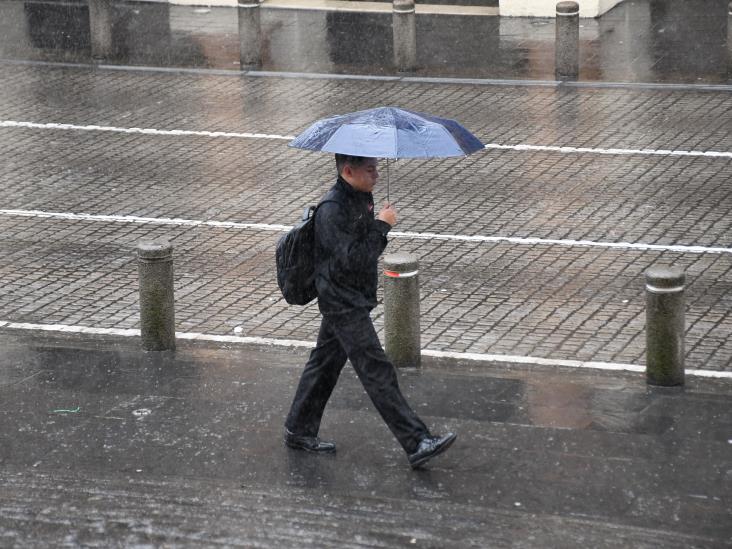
pixel 674 41
pixel 103 443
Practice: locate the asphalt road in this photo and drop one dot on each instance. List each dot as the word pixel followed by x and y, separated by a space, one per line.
pixel 103 444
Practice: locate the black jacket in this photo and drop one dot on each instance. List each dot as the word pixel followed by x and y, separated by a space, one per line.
pixel 348 243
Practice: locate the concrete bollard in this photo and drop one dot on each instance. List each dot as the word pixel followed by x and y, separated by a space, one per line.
pixel 157 314
pixel 665 326
pixel 566 45
pixel 404 30
pixel 100 28
pixel 250 34
pixel 401 310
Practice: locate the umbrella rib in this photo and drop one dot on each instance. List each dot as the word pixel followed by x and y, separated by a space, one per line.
pixel 395 134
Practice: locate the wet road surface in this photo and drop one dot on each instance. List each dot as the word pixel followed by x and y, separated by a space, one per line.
pixel 103 443
pixel 532 250
pixel 539 292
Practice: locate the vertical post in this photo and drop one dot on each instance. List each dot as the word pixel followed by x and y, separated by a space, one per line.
pixel 250 34
pixel 566 45
pixel 100 28
pixel 729 32
pixel 665 326
pixel 404 29
pixel 401 310
pixel 157 315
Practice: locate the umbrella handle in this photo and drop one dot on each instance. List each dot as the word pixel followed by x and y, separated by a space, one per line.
pixel 388 200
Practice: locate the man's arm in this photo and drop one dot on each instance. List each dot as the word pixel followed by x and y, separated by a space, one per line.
pixel 352 250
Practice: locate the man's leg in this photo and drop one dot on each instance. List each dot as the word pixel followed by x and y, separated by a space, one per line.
pixel 316 384
pixel 378 376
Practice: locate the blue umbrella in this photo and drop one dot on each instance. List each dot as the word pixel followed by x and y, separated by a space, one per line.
pixel 388 132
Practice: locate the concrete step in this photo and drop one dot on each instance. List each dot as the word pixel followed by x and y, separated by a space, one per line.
pixel 444 7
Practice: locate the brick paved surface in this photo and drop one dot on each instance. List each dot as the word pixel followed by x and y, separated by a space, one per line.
pixel 538 300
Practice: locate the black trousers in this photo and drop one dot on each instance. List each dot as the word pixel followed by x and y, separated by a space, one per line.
pixel 353 338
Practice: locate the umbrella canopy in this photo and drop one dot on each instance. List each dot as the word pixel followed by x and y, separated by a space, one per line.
pixel 388 132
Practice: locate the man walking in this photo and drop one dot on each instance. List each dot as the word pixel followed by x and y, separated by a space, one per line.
pixel 349 241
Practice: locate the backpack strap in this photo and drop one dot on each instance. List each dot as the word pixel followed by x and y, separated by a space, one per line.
pixel 309 211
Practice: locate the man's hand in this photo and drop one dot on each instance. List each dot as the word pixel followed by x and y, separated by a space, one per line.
pixel 388 214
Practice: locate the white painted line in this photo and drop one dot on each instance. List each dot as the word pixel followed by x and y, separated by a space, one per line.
pixel 556 242
pixel 580 364
pixel 146 131
pixel 245 340
pixel 508 359
pixel 647 152
pixel 66 328
pixel 244 135
pixel 146 220
pixel 513 359
pixel 396 234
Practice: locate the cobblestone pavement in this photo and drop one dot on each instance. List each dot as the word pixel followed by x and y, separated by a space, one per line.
pixel 519 298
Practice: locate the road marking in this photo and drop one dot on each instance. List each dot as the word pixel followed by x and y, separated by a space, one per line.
pixel 245 135
pixel 558 242
pixel 396 234
pixel 147 131
pixel 582 150
pixel 294 343
pixel 146 220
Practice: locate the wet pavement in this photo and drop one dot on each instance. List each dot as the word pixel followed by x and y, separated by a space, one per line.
pixel 103 443
pixel 672 41
pixel 528 254
pixel 552 298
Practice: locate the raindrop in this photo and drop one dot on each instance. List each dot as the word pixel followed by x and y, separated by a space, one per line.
pixel 142 412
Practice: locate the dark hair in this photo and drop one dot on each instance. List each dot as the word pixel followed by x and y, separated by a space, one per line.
pixel 343 159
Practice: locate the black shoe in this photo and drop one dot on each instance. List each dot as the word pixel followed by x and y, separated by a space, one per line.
pixel 429 448
pixel 309 444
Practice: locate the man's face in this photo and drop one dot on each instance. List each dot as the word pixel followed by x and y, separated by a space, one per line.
pixel 363 177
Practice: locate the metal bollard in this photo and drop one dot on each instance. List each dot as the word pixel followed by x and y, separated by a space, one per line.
pixel 250 34
pixel 157 314
pixel 100 28
pixel 665 326
pixel 404 31
pixel 566 45
pixel 401 310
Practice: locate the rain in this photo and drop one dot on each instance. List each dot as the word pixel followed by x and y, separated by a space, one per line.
pixel 553 294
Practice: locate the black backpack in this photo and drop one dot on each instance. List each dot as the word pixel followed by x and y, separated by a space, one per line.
pixel 295 256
